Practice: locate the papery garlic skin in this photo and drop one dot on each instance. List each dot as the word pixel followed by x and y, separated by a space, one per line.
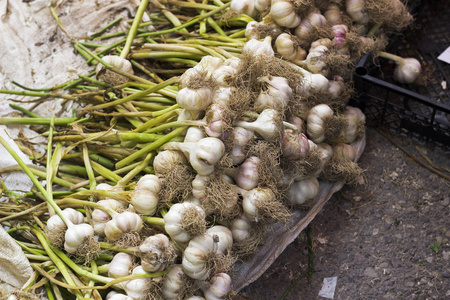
pixel 199 185
pixel 76 235
pixel 154 248
pixel 315 122
pixel 302 191
pixel 262 5
pixel 145 198
pixel 122 223
pixel 314 19
pixel 256 47
pixel 283 13
pixel 196 254
pixel 204 154
pixel 222 96
pixel 215 118
pixel 344 151
pixel 166 160
pixel 407 70
pixel 333 14
pixel 193 135
pixel 173 221
pixel 326 153
pixel 194 99
pixel 225 238
pixel 173 283
pixel 218 288
pixel 55 223
pixel 121 265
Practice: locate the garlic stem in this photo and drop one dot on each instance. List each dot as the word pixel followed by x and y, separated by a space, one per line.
pixel 134 27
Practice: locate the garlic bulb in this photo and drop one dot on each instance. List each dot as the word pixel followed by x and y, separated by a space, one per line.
pixel 122 223
pixel 302 191
pixel 106 187
pixel 136 288
pixel 195 298
pixel 111 77
pixel 315 121
pixel 307 25
pixel 184 220
pixel 246 175
pixel 256 47
pixel 209 64
pixel 196 255
pixel 100 217
pixel 262 5
pixel 288 48
pixel 407 71
pixel 218 288
pixel 241 138
pixel 121 265
pixel 355 124
pixel 193 134
pixel 215 118
pixel 282 11
pixel 56 224
pixel 253 200
pixel 117 296
pixel 194 99
pixel 316 61
pixel 199 185
pixel 174 283
pixel 294 145
pixel 276 96
pixel 225 238
pixel 311 82
pixel 203 155
pixel 246 7
pixel 222 95
pixel 240 228
pixel 77 235
pixel 344 151
pixel 321 42
pixel 326 153
pixel 232 62
pixel 333 14
pixel 145 198
pixel 165 161
pixel 224 75
pixel 190 75
pixel 155 248
pixel 266 125
pixel 356 11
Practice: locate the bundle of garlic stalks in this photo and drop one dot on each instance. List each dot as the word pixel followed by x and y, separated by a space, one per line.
pixel 205 125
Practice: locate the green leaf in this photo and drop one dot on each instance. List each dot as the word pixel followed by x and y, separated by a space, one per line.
pixel 435 247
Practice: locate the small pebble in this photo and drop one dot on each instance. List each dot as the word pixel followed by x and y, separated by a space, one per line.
pixel 446 201
pixel 445 255
pixel 429 259
pixel 370 272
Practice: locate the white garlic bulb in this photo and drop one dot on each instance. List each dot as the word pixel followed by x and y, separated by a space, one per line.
pixel 241 137
pixel 196 254
pixel 223 95
pixel 117 296
pixel 304 190
pixel 355 123
pixel 288 48
pixel 121 265
pixel 154 247
pixel 122 223
pixel 224 236
pixel 145 198
pixel 100 217
pixel 174 220
pixel 136 288
pixel 240 228
pixel 256 47
pixel 356 11
pixel 283 13
pixel 224 75
pixel 316 60
pixel 315 122
pixel 76 235
pixel 116 61
pixel 276 96
pixel 194 99
pixel 266 125
pixel 173 283
pixel 55 223
pixel 307 25
pixel 407 70
pixel 218 288
pixel 246 7
pixel 253 200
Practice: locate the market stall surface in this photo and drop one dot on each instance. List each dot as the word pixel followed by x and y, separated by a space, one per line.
pixel 387 239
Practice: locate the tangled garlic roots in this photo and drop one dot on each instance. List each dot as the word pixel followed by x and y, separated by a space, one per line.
pixel 193 222
pixel 341 169
pixel 87 251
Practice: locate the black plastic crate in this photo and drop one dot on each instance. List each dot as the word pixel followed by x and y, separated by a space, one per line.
pixel 419 111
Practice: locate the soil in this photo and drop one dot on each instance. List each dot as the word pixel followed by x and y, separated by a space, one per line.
pixel 386 239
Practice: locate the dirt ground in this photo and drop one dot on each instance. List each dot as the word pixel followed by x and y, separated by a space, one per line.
pixel 388 239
